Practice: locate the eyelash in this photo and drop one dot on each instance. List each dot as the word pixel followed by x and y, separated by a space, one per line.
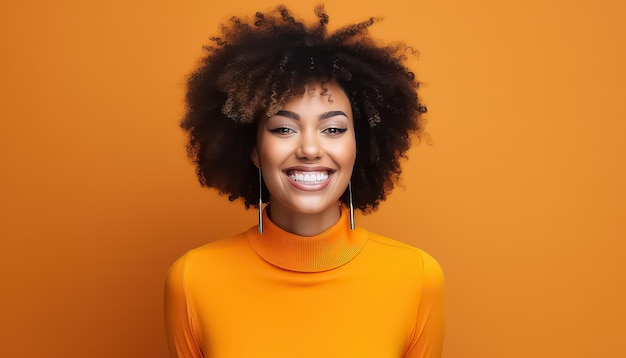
pixel 335 130
pixel 329 130
pixel 282 130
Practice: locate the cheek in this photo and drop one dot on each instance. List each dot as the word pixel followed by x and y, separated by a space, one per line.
pixel 346 152
pixel 272 152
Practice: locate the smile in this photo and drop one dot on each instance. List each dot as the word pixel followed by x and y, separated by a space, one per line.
pixel 308 178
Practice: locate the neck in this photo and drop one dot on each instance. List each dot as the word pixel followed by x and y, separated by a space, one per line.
pixel 303 224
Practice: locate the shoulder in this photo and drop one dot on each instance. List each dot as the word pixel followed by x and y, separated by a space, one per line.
pixel 211 256
pixel 394 253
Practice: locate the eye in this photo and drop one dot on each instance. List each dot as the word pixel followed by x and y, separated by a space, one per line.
pixel 282 130
pixel 334 130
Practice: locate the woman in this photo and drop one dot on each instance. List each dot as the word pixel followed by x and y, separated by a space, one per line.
pixel 314 125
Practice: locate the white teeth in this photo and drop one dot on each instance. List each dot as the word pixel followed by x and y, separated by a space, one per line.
pixel 309 178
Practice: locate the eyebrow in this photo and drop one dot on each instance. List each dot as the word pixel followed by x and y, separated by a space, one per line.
pixel 322 116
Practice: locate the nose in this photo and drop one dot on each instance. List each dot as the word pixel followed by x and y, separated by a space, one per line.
pixel 309 147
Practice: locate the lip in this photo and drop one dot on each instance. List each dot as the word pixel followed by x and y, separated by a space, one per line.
pixel 309 187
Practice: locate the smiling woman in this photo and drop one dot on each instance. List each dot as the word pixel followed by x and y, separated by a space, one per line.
pixel 306 152
pixel 286 114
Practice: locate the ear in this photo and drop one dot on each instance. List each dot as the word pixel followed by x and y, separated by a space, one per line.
pixel 254 156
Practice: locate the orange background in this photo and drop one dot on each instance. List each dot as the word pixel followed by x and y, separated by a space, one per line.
pixel 520 196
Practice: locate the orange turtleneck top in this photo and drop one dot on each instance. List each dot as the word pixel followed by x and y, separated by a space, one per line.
pixel 343 293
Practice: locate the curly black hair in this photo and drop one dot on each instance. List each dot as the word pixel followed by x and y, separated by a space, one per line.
pixel 258 64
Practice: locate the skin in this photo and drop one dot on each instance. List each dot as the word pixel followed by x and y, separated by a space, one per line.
pixel 310 135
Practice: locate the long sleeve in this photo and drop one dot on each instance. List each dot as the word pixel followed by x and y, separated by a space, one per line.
pixel 240 297
pixel 429 326
pixel 179 321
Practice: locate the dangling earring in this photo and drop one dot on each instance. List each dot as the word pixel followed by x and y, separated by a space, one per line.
pixel 351 206
pixel 260 203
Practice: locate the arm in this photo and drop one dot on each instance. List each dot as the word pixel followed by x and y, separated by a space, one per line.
pixel 427 337
pixel 179 321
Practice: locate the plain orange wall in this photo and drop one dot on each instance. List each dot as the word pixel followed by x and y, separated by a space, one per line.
pixel 520 195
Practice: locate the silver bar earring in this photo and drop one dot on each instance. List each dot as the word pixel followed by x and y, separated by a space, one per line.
pixel 351 206
pixel 260 203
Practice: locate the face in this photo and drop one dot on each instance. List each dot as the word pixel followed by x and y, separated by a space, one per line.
pixel 306 151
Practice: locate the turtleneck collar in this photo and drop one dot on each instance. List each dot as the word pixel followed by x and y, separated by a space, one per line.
pixel 328 250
